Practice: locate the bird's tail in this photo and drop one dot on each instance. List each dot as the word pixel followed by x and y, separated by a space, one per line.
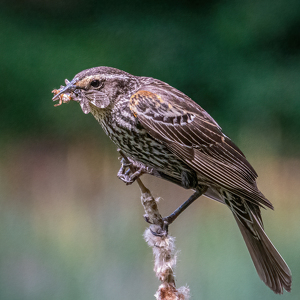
pixel 270 266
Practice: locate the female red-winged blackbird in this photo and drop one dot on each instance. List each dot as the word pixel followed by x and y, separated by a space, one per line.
pixel 166 134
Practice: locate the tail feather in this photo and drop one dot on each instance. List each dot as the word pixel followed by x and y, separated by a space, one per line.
pixel 270 266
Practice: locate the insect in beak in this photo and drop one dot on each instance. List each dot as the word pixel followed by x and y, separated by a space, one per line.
pixel 64 93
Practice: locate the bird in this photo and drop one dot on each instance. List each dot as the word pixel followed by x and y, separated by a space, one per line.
pixel 166 134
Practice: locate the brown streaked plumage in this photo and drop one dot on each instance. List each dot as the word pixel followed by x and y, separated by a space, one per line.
pixel 166 134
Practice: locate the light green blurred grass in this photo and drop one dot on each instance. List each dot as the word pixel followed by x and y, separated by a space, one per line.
pixel 69 229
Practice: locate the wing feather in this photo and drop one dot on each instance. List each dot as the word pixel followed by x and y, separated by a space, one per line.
pixel 194 137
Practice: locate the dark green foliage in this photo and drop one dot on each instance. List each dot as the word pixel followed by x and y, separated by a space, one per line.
pixel 240 60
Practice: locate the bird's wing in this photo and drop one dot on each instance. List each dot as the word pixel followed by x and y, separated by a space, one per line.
pixel 194 137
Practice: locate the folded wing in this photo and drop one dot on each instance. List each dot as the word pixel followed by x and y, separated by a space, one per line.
pixel 194 137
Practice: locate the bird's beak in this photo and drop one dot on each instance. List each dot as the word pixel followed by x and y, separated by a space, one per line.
pixel 70 87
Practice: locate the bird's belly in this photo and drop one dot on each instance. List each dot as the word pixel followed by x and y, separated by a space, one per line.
pixel 143 148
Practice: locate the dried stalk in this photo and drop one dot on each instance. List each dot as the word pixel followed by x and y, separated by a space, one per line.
pixel 163 247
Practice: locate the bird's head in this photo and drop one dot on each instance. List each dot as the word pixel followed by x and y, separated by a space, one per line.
pixel 96 87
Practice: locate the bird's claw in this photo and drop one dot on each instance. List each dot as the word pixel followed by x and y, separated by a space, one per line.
pixel 124 163
pixel 147 219
pixel 126 174
pixel 125 178
pixel 160 231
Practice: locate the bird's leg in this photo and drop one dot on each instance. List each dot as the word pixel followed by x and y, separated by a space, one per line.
pixel 131 170
pixel 170 219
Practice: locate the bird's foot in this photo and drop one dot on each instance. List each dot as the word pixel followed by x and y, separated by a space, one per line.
pixel 129 172
pixel 160 230
pixel 166 221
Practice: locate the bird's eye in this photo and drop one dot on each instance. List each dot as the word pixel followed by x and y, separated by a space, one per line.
pixel 95 83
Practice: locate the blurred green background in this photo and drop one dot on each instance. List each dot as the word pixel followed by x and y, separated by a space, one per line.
pixel 69 229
